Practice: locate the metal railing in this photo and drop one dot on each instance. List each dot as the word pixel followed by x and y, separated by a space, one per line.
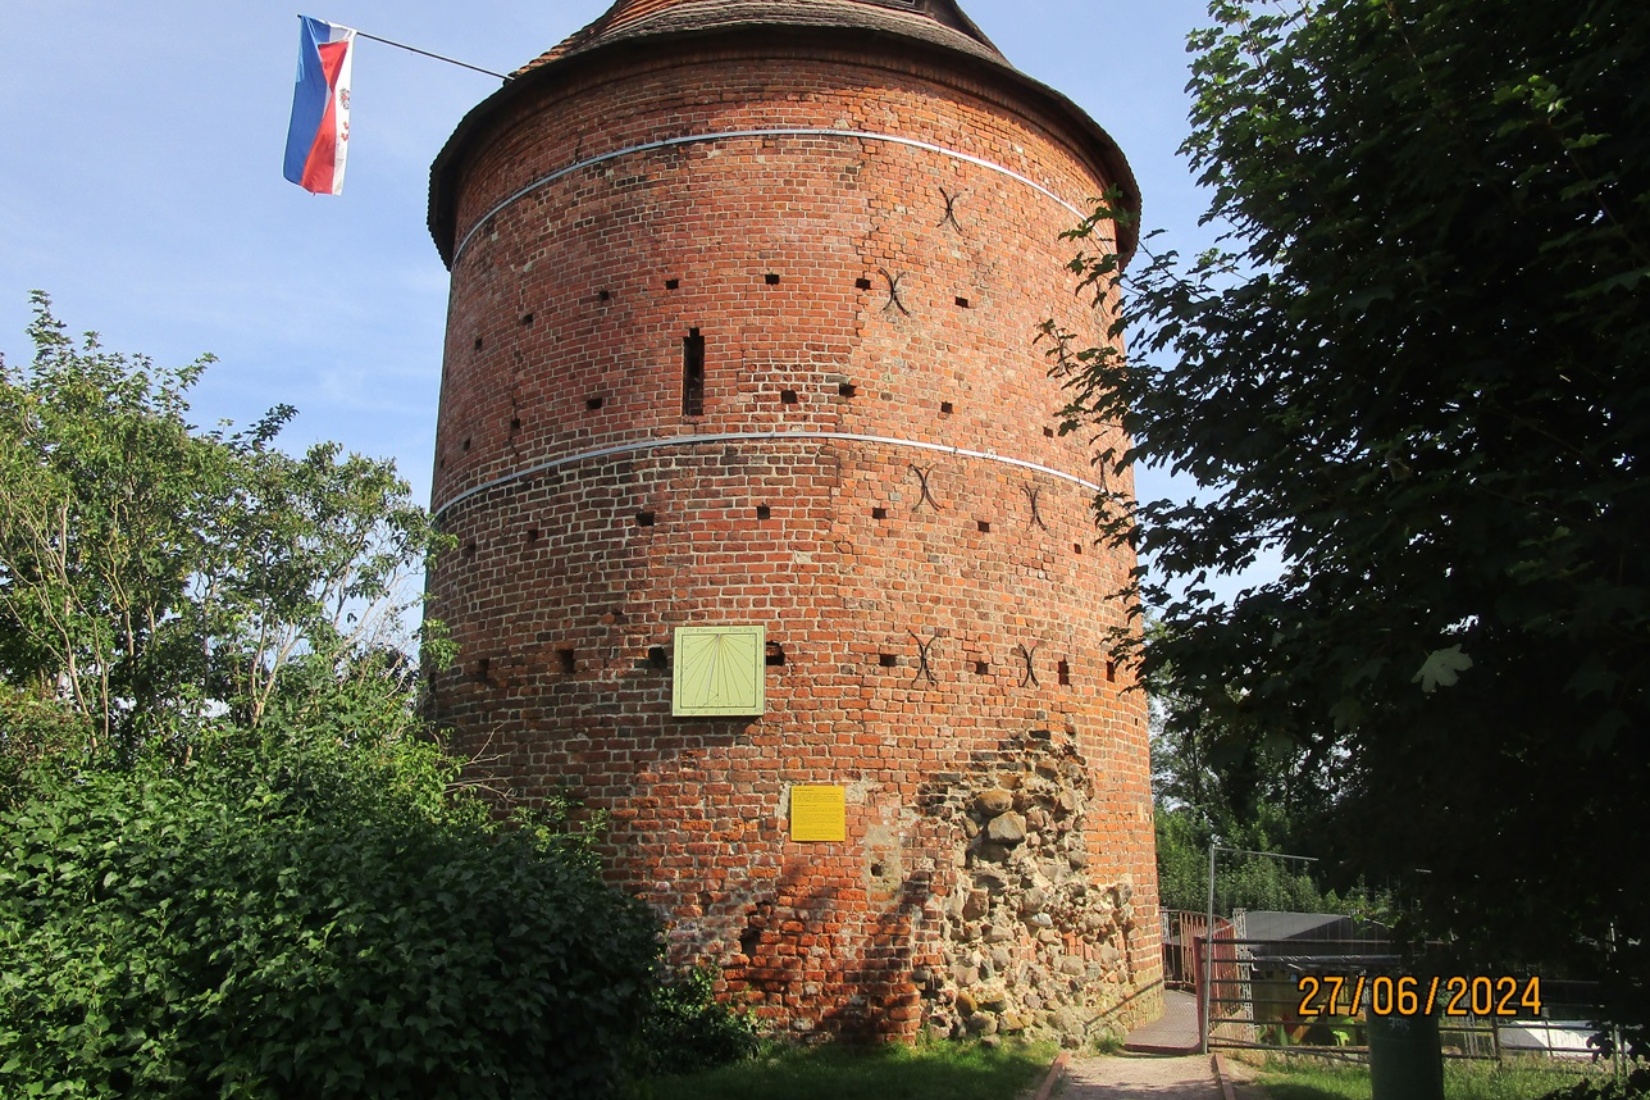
pixel 1272 995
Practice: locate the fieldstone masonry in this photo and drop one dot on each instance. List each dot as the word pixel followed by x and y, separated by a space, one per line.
pixel 742 322
pixel 1033 943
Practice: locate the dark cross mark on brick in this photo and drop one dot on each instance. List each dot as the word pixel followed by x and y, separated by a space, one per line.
pixel 922 476
pixel 922 658
pixel 950 209
pixel 1032 492
pixel 1031 672
pixel 893 292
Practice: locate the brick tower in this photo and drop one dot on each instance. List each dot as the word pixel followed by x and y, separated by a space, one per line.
pixel 767 535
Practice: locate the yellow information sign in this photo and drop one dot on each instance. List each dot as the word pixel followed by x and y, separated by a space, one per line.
pixel 819 813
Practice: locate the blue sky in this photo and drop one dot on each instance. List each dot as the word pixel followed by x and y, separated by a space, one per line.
pixel 140 184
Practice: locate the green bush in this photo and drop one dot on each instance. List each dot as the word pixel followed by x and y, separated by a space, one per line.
pixel 317 921
pixel 686 1029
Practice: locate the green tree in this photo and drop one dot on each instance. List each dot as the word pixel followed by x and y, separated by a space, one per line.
pixel 233 863
pixel 1213 784
pixel 1414 371
pixel 1207 758
pixel 1217 780
pixel 152 573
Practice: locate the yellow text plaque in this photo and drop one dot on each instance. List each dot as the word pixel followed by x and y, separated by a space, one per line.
pixel 819 813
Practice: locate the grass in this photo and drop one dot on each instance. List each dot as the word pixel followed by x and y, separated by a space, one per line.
pixel 1513 1080
pixel 940 1071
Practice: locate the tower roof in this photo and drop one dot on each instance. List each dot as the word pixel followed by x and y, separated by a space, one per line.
pixel 933 26
pixel 940 22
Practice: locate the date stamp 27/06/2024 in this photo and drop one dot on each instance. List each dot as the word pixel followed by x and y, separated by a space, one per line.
pixel 1453 995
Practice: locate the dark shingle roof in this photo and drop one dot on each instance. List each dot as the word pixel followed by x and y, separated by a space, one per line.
pixel 939 22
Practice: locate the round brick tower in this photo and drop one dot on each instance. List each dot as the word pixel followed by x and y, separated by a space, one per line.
pixel 767 535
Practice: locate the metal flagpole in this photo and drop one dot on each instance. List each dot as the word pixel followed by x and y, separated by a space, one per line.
pixel 426 53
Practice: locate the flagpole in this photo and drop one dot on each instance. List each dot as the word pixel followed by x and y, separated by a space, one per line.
pixel 426 53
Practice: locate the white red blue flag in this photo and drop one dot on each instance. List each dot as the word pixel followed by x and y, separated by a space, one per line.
pixel 318 137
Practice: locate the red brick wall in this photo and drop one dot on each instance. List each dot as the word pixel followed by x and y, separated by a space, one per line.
pixel 561 301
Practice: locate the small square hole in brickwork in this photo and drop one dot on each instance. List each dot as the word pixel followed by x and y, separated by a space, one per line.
pixel 466 445
pixel 771 279
pixel 1111 672
pixel 946 408
pixel 773 655
pixel 483 668
pixel 1048 433
pixel 672 284
pixel 515 424
pixel 1077 548
pixel 847 389
pixel 788 397
pixel 567 660
pixel 982 668
pixel 862 284
pixel 645 519
pixel 656 658
pixel 526 319
pixel 469 549
pixel 533 534
pixel 879 513
pixel 604 295
pixel 479 342
pixel 591 404
pixel 1063 670
pixel 984 525
pixel 764 512
pixel 961 301
pixel 887 660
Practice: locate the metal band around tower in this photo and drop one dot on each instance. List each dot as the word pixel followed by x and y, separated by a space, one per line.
pixel 740 437
pixel 692 139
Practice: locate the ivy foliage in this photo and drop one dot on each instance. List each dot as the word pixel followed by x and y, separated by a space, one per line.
pixel 308 917
pixel 1413 373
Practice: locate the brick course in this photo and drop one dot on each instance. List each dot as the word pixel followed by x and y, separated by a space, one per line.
pixel 587 535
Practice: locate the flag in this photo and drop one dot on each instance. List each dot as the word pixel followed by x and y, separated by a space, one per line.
pixel 318 137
